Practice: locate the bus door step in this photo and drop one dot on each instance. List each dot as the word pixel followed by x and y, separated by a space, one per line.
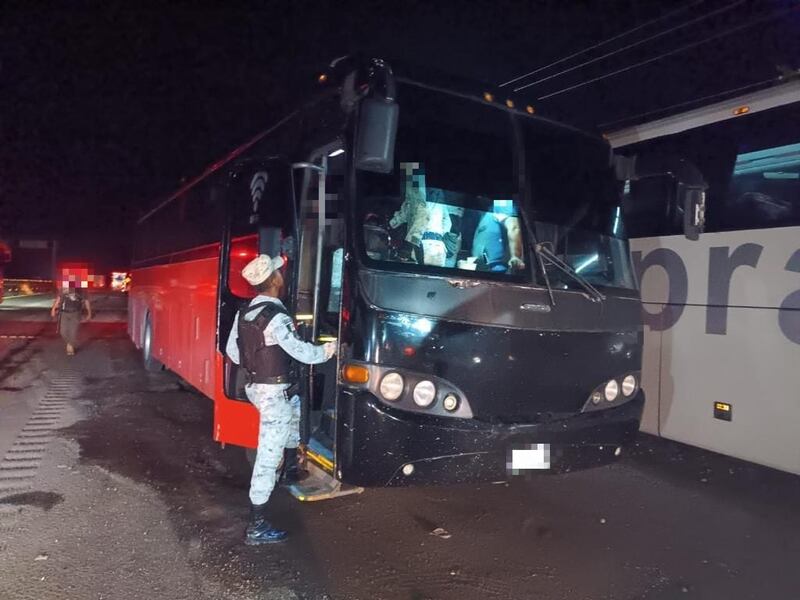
pixel 320 485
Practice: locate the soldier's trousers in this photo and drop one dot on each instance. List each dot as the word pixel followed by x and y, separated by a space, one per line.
pixel 279 428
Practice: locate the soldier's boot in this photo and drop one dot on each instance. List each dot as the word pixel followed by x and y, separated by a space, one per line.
pixel 292 472
pixel 259 530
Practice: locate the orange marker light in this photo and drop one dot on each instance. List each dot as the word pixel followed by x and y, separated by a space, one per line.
pixel 488 97
pixel 322 78
pixel 741 110
pixel 355 374
pixel 510 103
pixel 529 109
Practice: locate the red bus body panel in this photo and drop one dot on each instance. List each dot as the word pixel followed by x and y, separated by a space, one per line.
pixel 181 299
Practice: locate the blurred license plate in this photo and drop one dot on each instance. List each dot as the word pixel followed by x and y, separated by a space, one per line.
pixel 529 457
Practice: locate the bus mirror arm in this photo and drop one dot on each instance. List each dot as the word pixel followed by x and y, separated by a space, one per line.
pixel 691 186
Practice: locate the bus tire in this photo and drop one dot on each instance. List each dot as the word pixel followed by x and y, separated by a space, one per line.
pixel 150 363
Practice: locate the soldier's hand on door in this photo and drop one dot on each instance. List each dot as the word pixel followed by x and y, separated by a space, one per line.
pixel 330 349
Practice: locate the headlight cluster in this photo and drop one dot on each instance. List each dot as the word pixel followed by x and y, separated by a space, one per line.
pixel 423 393
pixel 613 392
pixel 407 390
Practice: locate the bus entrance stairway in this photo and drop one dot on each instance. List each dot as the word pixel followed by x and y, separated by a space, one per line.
pixel 320 483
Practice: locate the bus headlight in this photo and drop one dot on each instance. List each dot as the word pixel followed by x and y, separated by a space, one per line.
pixel 392 386
pixel 611 390
pixel 450 402
pixel 424 393
pixel 628 385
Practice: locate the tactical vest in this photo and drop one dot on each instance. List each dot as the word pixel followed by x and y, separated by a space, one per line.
pixel 68 305
pixel 263 364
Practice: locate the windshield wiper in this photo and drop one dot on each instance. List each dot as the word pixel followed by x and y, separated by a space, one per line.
pixel 543 251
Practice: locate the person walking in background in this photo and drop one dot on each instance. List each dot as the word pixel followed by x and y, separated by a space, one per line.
pixel 68 308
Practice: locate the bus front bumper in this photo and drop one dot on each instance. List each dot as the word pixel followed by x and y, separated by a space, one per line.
pixel 379 446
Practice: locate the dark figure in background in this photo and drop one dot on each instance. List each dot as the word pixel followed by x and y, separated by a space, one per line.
pixel 69 307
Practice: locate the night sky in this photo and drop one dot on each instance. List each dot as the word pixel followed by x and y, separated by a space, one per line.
pixel 106 107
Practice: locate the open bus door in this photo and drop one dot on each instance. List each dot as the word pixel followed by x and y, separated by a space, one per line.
pixel 261 219
pixel 318 304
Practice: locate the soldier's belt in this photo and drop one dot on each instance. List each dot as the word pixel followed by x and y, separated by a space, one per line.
pixel 277 380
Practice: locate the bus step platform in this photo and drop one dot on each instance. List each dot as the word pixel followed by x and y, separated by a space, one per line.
pixel 320 485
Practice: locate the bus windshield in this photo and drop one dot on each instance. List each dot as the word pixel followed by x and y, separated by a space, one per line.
pixel 576 205
pixel 452 202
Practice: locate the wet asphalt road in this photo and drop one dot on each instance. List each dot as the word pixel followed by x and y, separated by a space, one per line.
pixel 117 491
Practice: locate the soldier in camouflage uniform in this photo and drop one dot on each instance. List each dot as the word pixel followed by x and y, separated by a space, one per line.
pixel 267 363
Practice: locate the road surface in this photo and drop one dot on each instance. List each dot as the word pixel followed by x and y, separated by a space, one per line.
pixel 110 487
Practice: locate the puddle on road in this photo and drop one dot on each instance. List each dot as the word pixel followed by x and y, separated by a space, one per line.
pixel 44 500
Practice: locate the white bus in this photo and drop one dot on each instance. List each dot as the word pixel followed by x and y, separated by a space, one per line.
pixel 722 332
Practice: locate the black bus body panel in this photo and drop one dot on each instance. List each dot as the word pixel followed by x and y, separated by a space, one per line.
pixel 374 442
pixel 513 365
pixel 525 374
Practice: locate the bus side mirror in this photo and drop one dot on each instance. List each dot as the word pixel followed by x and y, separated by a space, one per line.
pixel 694 211
pixel 666 192
pixel 376 135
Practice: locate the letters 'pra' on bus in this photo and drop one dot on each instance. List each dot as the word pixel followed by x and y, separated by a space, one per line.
pixel 722 315
pixel 467 256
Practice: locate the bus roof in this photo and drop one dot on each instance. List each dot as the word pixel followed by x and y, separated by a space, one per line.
pixel 453 85
pixel 780 95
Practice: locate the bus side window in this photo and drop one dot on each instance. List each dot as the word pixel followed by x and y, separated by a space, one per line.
pixel 764 190
pixel 262 213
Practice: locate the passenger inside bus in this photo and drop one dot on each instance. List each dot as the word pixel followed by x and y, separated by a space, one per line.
pixel 498 239
pixel 444 228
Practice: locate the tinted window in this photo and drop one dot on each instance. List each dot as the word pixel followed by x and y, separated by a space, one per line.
pixel 751 164
pixel 194 219
pixel 575 205
pixel 570 179
pixel 451 201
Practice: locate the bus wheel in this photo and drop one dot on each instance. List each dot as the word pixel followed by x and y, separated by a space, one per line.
pixel 150 363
